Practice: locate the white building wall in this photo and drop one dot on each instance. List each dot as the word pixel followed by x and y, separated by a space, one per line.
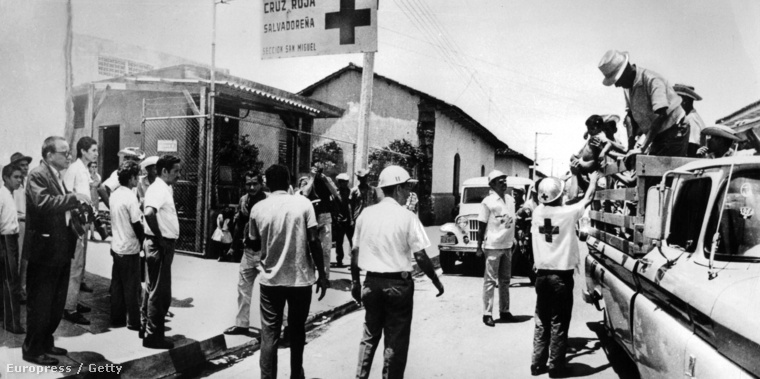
pixel 33 68
pixel 513 167
pixel 451 139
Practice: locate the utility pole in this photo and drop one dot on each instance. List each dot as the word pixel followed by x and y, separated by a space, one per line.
pixel 535 153
pixel 365 104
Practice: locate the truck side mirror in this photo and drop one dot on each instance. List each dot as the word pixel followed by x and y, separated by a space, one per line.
pixel 656 213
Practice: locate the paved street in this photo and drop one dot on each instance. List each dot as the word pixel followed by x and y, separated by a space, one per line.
pixel 449 339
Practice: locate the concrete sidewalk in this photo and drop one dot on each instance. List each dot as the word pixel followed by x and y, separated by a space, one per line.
pixel 204 304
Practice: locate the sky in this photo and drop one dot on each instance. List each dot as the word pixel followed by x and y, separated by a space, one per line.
pixel 518 67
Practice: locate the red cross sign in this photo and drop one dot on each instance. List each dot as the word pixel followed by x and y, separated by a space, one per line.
pixel 295 28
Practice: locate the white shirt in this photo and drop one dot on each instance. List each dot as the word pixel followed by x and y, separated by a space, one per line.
pixel 388 235
pixel 281 222
pixel 19 196
pixel 499 214
pixel 77 179
pixel 125 210
pixel 555 246
pixel 8 213
pixel 161 197
pixel 113 181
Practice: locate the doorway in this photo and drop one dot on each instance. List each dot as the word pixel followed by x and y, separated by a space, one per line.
pixel 109 149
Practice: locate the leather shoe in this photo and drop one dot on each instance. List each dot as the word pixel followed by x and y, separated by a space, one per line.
pixel 85 288
pixel 558 372
pixel 537 370
pixel 488 320
pixel 156 342
pixel 83 308
pixel 75 317
pixel 41 359
pixel 233 330
pixel 506 316
pixel 57 351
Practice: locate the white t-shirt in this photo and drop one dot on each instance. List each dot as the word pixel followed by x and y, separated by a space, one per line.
pixel 281 222
pixel 161 197
pixel 125 210
pixel 388 235
pixel 555 246
pixel 499 214
pixel 77 179
pixel 8 213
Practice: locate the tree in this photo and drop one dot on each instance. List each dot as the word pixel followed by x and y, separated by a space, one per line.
pixel 331 154
pixel 241 156
pixel 399 152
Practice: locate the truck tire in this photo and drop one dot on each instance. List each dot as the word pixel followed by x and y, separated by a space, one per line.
pixel 448 261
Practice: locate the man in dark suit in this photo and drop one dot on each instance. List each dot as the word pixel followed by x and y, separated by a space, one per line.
pixel 51 244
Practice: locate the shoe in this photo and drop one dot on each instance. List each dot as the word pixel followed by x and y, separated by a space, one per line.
pixel 236 330
pixel 85 288
pixel 41 359
pixel 83 308
pixel 156 342
pixel 537 370
pixel 57 351
pixel 488 320
pixel 506 316
pixel 169 314
pixel 132 327
pixel 75 317
pixel 339 265
pixel 558 371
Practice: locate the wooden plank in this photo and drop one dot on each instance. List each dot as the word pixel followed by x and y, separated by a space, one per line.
pixel 614 167
pixel 626 194
pixel 626 247
pixel 623 221
pixel 649 166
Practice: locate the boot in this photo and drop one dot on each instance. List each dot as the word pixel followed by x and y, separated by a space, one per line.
pixel 155 341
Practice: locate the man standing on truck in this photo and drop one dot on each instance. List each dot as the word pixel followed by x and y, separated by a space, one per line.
pixel 692 118
pixel 497 225
pixel 719 142
pixel 653 107
pixel 557 255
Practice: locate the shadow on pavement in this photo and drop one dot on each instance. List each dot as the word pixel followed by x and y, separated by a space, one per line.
pixel 621 363
pixel 341 284
pixel 184 303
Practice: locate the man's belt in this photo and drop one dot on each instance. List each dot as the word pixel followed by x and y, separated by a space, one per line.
pixel 401 275
pixel 149 236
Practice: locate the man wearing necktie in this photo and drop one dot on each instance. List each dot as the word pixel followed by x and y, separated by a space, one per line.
pixel 51 246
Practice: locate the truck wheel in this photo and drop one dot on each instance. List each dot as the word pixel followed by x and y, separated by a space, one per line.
pixel 448 261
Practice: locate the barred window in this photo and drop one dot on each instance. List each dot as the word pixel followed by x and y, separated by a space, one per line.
pixel 114 67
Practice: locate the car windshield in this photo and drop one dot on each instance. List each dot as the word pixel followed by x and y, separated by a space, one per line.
pixel 739 231
pixel 474 195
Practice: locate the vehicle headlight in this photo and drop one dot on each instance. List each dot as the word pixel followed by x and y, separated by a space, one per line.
pixel 462 222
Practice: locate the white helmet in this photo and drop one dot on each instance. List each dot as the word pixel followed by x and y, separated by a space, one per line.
pixel 393 175
pixel 550 189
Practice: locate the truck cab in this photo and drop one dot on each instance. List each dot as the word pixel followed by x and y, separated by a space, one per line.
pixel 676 276
pixel 459 239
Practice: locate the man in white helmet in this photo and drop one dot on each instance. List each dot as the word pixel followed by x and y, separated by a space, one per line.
pixel 497 233
pixel 557 255
pixel 386 235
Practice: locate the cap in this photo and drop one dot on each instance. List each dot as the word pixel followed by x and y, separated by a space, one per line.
pixel 18 157
pixel 688 91
pixel 721 131
pixel 550 189
pixel 393 175
pixel 149 161
pixel 342 176
pixel 495 174
pixel 132 152
pixel 362 172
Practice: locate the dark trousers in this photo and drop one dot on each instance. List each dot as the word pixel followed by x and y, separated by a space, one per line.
pixel 156 301
pixel 342 229
pixel 125 290
pixel 554 308
pixel 10 282
pixel 673 142
pixel 273 300
pixel 388 304
pixel 46 290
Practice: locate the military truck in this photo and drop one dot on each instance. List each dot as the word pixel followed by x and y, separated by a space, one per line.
pixel 675 267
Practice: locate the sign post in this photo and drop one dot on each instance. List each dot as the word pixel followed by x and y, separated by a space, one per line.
pixel 297 28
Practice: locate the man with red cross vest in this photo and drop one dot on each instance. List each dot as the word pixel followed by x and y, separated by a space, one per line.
pixel 557 255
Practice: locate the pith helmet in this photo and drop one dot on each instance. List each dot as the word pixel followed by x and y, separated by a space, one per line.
pixel 495 174
pixel 393 175
pixel 550 189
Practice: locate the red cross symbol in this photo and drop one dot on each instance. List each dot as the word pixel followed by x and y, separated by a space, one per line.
pixel 548 230
pixel 347 20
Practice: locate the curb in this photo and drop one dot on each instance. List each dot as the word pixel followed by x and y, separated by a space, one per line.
pixel 189 357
